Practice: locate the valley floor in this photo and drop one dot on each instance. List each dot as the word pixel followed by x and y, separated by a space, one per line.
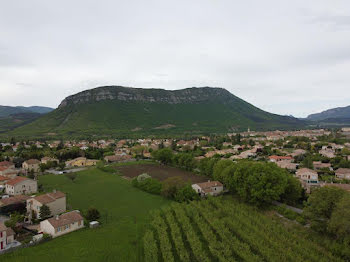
pixel 125 212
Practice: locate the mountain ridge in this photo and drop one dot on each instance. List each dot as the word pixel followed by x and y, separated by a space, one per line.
pixel 333 113
pixel 187 95
pixel 117 110
pixel 6 111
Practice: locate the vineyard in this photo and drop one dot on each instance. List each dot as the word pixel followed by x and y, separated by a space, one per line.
pixel 225 230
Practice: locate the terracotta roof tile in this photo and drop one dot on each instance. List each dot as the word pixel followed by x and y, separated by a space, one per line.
pixel 13 200
pixel 49 197
pixel 6 163
pixel 17 180
pixel 32 161
pixel 65 219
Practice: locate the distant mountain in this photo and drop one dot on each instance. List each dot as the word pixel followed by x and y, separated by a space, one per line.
pixel 6 111
pixel 125 111
pixel 334 113
pixel 15 116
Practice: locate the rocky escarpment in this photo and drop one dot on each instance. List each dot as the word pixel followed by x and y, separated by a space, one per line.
pixel 188 95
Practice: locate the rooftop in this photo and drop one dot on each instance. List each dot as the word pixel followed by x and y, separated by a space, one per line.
pixel 65 219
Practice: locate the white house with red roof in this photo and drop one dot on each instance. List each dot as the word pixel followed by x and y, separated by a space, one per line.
pixel 213 188
pixel 63 224
pixel 280 158
pixel 56 201
pixel 21 186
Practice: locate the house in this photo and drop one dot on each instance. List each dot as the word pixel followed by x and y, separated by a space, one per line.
pixel 319 165
pixel 47 159
pixel 81 161
pixel 308 175
pixel 343 173
pixel 298 152
pixel 327 152
pixel 7 236
pixel 14 203
pixel 7 164
pixel 308 178
pixel 8 169
pixel 287 165
pixel 213 188
pixel 31 165
pixel 275 158
pixel 118 158
pixel 21 186
pixel 63 224
pixel 56 201
pixel 4 179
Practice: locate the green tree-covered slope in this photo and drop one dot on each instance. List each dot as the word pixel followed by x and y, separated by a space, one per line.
pixel 115 110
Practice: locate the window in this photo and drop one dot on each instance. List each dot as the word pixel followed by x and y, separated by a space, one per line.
pixel 58 229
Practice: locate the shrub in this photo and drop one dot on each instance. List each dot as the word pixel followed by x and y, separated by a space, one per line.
pixel 92 214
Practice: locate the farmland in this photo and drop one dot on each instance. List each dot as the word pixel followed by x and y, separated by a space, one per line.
pixel 225 230
pixel 159 172
pixel 125 212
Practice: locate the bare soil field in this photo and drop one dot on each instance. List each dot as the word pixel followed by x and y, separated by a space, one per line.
pixel 159 172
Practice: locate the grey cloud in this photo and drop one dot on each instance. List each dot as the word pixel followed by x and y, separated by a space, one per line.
pixel 287 57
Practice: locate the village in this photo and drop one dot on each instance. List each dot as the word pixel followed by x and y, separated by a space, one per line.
pixel 317 158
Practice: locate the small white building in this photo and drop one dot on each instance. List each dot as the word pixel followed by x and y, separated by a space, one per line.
pixel 308 178
pixel 21 186
pixel 213 188
pixel 63 224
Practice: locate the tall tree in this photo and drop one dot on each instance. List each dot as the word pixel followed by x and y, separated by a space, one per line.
pixel 45 212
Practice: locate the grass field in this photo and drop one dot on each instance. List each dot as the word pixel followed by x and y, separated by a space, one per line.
pixel 125 212
pixel 159 172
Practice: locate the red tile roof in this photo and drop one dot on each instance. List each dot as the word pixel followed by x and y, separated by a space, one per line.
pixel 17 180
pixel 209 184
pixel 49 197
pixel 6 163
pixel 3 178
pixel 32 161
pixel 65 219
pixel 13 200
pixel 281 157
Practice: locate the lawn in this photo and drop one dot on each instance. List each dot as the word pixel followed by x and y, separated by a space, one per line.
pixel 159 172
pixel 125 213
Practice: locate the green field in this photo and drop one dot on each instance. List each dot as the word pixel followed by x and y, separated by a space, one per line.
pixel 125 212
pixel 223 229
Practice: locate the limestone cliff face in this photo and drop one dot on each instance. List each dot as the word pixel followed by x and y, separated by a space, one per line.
pixel 188 95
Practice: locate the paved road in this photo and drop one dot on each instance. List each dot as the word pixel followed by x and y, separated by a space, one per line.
pixel 73 170
pixel 297 210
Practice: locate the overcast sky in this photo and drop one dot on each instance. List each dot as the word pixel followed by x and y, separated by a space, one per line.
pixel 286 57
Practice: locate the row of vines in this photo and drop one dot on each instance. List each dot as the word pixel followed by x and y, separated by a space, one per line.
pixel 223 230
